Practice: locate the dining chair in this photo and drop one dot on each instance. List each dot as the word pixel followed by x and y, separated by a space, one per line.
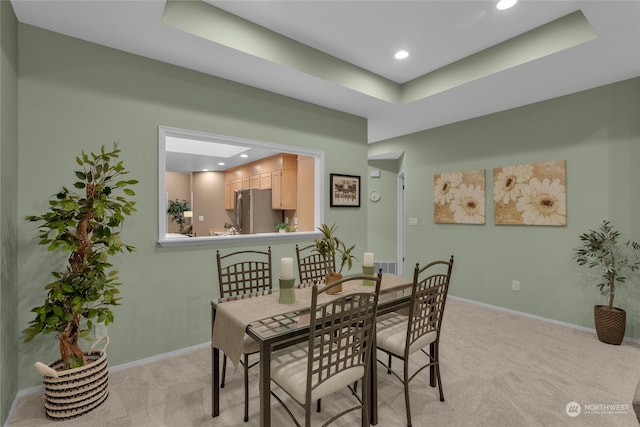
pixel 400 335
pixel 244 274
pixel 337 353
pixel 312 268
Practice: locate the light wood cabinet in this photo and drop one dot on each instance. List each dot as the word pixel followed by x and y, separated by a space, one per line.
pixel 305 201
pixel 278 173
pixel 283 189
pixel 229 194
pixel 265 181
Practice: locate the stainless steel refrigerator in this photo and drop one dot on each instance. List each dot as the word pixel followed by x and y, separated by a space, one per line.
pixel 253 212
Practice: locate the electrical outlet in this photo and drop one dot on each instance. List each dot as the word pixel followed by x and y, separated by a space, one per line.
pixel 515 285
pixel 413 221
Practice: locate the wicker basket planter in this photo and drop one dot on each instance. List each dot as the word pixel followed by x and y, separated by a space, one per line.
pixel 75 392
pixel 610 324
pixel 330 278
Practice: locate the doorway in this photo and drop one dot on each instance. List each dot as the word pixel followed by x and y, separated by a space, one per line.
pixel 401 224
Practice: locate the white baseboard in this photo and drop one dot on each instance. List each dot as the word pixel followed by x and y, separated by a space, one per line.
pixel 533 316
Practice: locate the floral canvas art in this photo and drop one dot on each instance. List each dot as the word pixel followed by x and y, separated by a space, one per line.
pixel 530 194
pixel 458 197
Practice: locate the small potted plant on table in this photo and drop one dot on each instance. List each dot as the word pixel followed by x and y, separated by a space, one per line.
pixel 328 246
pixel 601 249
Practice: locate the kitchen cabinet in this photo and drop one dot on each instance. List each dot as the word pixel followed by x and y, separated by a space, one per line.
pixel 283 189
pixel 265 181
pixel 229 194
pixel 278 173
pixel 305 202
pixel 245 182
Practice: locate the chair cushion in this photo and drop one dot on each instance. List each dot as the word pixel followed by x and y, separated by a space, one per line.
pixel 249 345
pixel 289 371
pixel 391 333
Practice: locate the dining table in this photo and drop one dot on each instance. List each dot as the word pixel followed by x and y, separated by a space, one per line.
pixel 275 325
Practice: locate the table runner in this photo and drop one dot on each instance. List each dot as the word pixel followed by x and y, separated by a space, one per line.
pixel 233 317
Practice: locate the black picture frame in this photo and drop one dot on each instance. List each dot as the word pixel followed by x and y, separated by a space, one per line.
pixel 344 191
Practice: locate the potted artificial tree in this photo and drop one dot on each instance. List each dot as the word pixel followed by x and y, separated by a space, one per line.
pixel 176 209
pixel 85 224
pixel 601 249
pixel 328 246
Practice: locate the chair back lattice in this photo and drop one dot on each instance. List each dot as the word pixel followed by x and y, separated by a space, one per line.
pixel 312 268
pixel 244 273
pixel 429 295
pixel 343 332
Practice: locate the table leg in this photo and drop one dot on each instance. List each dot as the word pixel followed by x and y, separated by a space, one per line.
pixel 265 384
pixel 215 398
pixel 373 383
pixel 215 372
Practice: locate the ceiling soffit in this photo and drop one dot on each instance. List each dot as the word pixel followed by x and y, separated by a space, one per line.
pixel 211 23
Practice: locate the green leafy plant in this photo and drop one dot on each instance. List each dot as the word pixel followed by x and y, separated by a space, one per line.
pixel 286 227
pixel 85 224
pixel 601 249
pixel 329 245
pixel 176 210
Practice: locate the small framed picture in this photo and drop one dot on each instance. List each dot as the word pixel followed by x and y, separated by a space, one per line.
pixel 345 190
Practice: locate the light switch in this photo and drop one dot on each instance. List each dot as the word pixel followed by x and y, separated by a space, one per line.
pixel 413 221
pixel 201 218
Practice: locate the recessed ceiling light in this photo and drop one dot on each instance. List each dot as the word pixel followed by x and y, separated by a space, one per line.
pixel 205 170
pixel 402 54
pixel 220 163
pixel 244 155
pixel 506 4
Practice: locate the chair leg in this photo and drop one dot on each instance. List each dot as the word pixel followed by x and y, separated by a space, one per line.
pixel 436 360
pixel 246 387
pixel 365 402
pixel 406 391
pixel 224 370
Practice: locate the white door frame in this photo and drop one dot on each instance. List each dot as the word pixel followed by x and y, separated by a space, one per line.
pixel 401 224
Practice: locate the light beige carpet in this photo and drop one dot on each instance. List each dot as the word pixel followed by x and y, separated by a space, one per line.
pixel 498 369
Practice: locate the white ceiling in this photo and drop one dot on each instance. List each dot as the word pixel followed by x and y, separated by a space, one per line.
pixel 366 34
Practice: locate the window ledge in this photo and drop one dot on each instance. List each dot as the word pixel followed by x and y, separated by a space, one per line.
pixel 239 238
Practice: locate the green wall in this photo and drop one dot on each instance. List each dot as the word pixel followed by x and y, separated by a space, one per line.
pixel 597 132
pixel 382 234
pixel 75 95
pixel 8 201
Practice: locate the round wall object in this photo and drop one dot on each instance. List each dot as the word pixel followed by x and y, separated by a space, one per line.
pixel 374 196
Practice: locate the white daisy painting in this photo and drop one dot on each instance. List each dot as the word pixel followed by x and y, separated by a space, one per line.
pixel 530 194
pixel 458 197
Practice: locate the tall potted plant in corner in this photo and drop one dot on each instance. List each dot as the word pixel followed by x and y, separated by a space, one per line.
pixel 176 209
pixel 329 246
pixel 601 249
pixel 85 223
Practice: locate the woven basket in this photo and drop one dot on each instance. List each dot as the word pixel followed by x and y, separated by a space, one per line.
pixel 75 392
pixel 610 324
